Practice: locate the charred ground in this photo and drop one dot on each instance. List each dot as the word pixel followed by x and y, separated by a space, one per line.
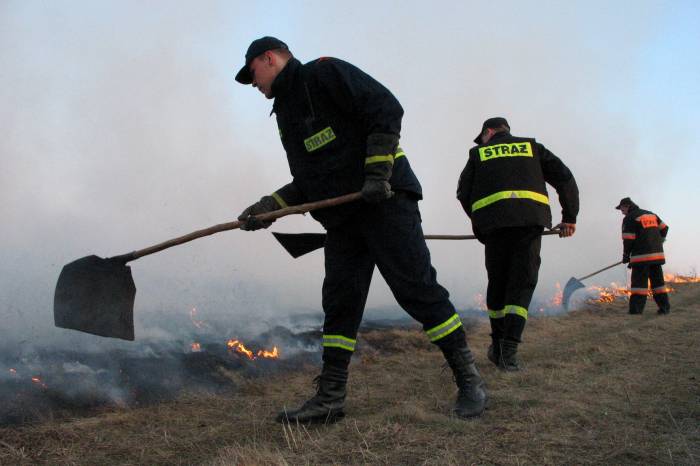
pixel 600 387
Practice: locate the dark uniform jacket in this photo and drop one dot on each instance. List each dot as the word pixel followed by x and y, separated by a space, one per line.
pixel 643 234
pixel 333 119
pixel 503 185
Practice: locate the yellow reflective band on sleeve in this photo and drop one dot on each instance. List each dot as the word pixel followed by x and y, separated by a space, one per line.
pixel 339 341
pixel 515 149
pixel 445 328
pixel 497 314
pixel 319 139
pixel 379 159
pixel 518 310
pixel 495 197
pixel 399 153
pixel 279 200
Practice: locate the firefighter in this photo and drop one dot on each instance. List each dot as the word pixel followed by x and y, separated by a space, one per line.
pixel 643 235
pixel 502 190
pixel 340 129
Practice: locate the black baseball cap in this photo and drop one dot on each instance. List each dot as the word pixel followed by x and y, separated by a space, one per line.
pixel 625 201
pixel 256 48
pixel 493 123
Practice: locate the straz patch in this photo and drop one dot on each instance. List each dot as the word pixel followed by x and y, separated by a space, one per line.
pixel 515 149
pixel 648 221
pixel 319 139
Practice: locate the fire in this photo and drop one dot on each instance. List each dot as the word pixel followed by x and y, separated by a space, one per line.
pixel 675 278
pixel 13 371
pixel 608 294
pixel 38 381
pixel 196 347
pixel 274 354
pixel 239 347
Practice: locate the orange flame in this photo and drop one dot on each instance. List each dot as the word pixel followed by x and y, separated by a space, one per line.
pixel 196 347
pixel 240 348
pixel 675 278
pixel 38 381
pixel 274 354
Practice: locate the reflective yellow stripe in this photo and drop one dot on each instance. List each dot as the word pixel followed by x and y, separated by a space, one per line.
pixel 379 159
pixel 519 310
pixel 497 314
pixel 319 139
pixel 495 197
pixel 445 328
pixel 515 149
pixel 399 153
pixel 339 341
pixel 279 200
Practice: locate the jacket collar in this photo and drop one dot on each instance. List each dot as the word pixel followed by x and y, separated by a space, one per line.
pixel 286 78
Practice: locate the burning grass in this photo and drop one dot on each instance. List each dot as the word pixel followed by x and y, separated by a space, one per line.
pixel 600 387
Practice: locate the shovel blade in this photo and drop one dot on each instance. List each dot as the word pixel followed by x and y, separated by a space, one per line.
pixel 572 285
pixel 298 244
pixel 96 295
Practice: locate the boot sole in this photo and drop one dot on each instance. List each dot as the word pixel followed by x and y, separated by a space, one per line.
pixel 330 419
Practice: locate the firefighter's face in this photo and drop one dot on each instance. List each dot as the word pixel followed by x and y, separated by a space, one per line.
pixel 263 69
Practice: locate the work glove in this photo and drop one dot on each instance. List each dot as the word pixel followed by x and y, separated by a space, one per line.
pixel 376 190
pixel 265 204
pixel 379 164
pixel 626 260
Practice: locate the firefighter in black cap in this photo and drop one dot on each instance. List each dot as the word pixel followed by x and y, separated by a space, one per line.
pixel 502 190
pixel 643 235
pixel 340 129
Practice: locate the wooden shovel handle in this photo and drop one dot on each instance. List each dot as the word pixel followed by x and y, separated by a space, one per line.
pixel 297 209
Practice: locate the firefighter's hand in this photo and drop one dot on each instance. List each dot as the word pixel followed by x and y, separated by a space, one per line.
pixel 625 259
pixel 566 229
pixel 265 204
pixel 376 190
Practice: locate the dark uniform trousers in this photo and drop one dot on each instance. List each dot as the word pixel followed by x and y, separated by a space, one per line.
pixel 642 274
pixel 512 264
pixel 389 235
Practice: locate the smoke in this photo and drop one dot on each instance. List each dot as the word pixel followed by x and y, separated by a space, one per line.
pixel 123 127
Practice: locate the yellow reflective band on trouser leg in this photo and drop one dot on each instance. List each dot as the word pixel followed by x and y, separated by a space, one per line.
pixel 339 341
pixel 499 196
pixel 379 159
pixel 445 328
pixel 279 200
pixel 497 314
pixel 399 153
pixel 519 310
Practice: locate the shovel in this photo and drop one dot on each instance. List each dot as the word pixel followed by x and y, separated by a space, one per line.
pixel 298 244
pixel 575 283
pixel 96 295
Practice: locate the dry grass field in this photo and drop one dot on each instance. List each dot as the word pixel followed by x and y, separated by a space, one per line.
pixel 600 387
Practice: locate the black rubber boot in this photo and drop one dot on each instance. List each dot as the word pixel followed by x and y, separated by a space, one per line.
pixel 472 396
pixel 326 407
pixel 509 352
pixel 494 351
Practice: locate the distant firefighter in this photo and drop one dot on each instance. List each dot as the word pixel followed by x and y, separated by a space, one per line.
pixel 643 235
pixel 503 191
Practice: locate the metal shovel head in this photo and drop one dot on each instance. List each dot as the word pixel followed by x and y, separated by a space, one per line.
pixel 96 295
pixel 298 244
pixel 572 285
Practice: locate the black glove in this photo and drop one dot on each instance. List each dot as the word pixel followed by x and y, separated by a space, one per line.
pixel 625 259
pixel 265 204
pixel 376 190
